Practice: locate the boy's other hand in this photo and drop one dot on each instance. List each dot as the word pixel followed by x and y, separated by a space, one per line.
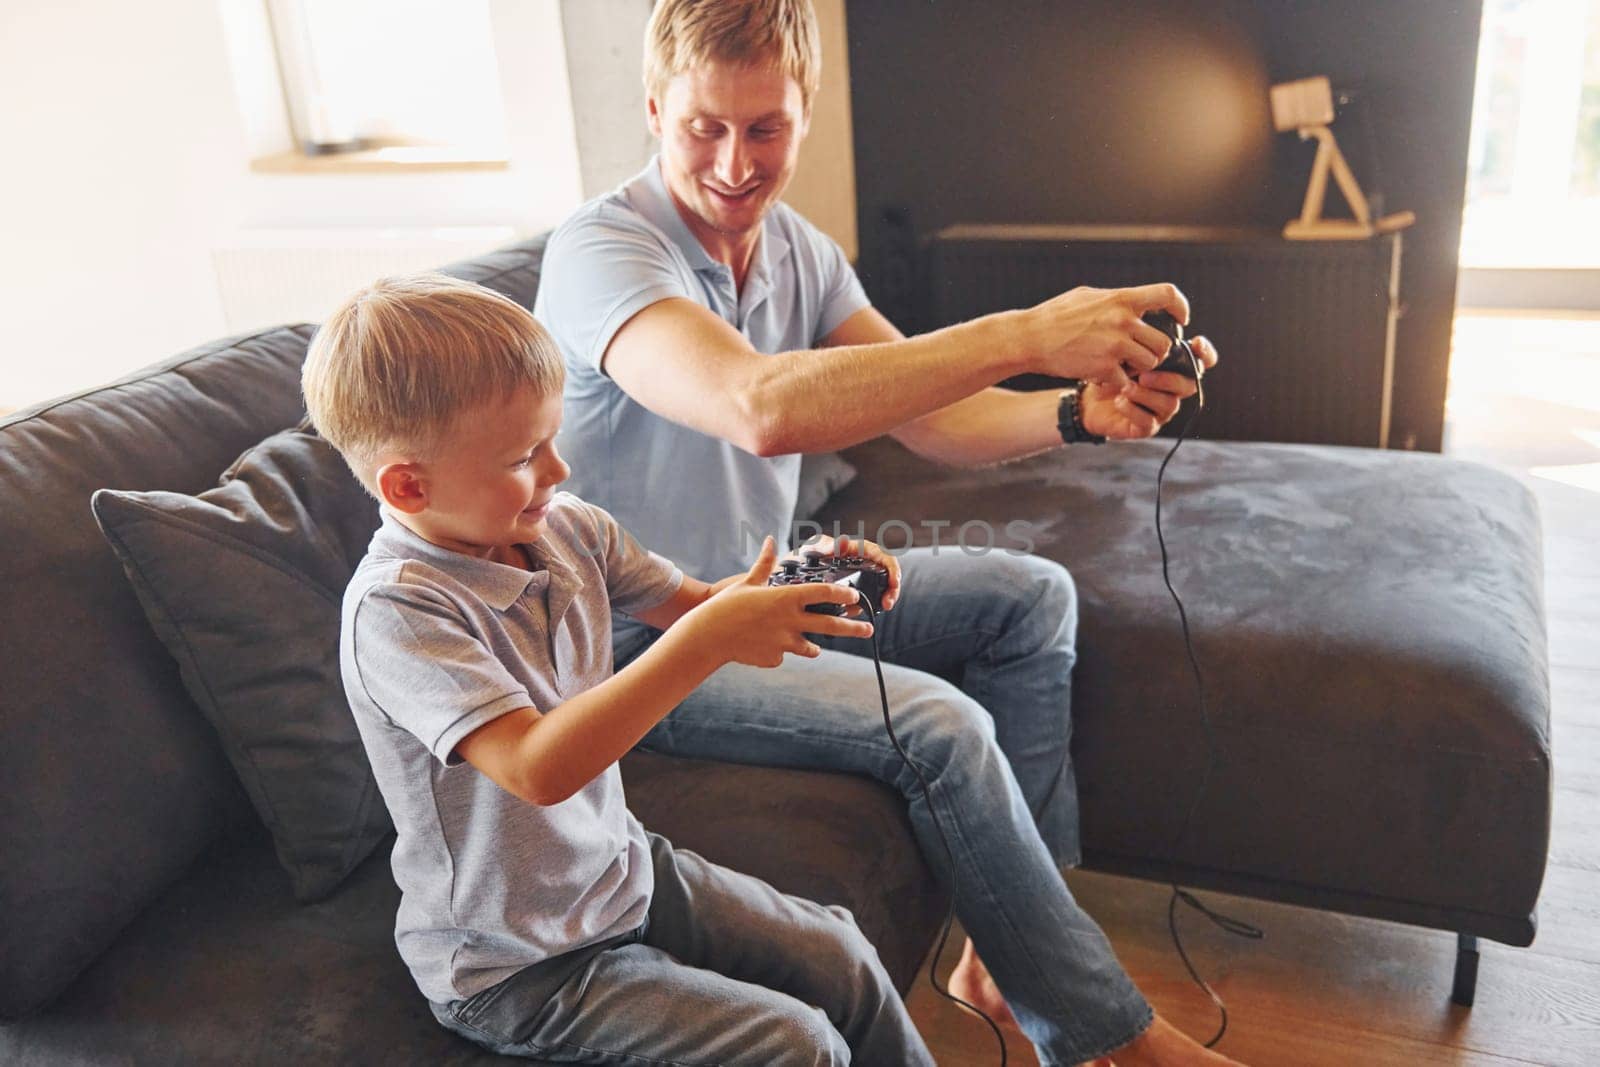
pixel 747 621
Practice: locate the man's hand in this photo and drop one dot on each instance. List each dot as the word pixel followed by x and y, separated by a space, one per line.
pixel 869 550
pixel 1144 405
pixel 1097 335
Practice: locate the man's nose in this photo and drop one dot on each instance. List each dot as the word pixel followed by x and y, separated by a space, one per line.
pixel 733 162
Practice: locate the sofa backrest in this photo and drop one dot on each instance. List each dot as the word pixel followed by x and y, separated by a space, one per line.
pixel 111 781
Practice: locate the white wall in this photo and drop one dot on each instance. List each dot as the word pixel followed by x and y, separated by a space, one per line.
pixel 123 159
pixel 824 186
pixel 127 163
pixel 605 51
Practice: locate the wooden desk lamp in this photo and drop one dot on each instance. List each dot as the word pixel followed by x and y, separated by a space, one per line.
pixel 1307 106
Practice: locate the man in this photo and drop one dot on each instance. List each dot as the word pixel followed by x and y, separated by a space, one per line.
pixel 712 335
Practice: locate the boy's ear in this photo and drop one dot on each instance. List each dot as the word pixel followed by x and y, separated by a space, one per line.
pixel 402 487
pixel 652 115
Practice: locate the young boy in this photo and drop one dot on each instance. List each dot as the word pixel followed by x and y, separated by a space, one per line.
pixel 537 916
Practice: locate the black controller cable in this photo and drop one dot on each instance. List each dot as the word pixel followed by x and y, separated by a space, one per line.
pixel 949 916
pixel 1231 925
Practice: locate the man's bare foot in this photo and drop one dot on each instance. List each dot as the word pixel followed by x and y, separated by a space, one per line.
pixel 970 981
pixel 1164 1045
pixel 1161 1045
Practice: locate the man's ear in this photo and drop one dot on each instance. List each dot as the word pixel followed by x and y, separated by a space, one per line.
pixel 652 115
pixel 402 487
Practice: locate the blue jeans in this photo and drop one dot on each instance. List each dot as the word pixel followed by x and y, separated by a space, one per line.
pixel 993 747
pixel 725 970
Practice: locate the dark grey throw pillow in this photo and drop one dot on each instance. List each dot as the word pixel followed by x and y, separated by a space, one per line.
pixel 822 474
pixel 243 584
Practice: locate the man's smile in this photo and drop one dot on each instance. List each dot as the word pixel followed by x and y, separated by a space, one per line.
pixel 737 196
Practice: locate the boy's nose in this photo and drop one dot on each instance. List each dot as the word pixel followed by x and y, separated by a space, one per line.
pixel 557 472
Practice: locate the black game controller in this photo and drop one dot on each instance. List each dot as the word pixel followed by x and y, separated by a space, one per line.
pixel 870 580
pixel 1181 358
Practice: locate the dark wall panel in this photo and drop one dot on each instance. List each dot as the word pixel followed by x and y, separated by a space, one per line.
pixel 1155 111
pixel 1412 64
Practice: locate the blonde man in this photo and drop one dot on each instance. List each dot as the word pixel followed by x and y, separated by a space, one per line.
pixel 537 917
pixel 712 335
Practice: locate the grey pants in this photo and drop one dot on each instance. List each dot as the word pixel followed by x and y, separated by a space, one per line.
pixel 725 970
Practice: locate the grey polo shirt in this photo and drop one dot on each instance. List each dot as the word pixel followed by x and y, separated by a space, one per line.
pixel 697 499
pixel 434 645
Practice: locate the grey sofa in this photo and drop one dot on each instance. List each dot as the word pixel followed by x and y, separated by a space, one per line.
pixel 1369 625
pixel 146 916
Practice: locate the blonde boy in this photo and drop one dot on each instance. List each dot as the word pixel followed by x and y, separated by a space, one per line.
pixel 538 917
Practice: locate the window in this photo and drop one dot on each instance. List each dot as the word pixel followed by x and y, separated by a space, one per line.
pixel 1533 189
pixel 392 75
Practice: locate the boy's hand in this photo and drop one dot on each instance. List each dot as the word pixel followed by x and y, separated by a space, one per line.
pixel 844 546
pixel 747 621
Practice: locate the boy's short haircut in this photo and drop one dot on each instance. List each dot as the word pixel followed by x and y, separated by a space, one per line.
pixel 399 361
pixel 684 34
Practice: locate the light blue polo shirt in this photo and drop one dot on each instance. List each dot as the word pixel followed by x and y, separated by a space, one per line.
pixel 698 500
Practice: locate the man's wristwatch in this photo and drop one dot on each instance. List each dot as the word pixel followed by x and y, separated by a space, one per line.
pixel 1069 417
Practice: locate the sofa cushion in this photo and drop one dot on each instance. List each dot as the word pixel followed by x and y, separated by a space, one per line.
pixel 114 783
pixel 822 474
pixel 513 271
pixel 226 969
pixel 243 585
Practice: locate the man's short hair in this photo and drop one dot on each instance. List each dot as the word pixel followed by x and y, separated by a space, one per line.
pixel 398 362
pixel 685 34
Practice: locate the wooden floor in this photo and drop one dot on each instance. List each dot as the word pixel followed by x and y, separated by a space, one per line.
pixel 1324 989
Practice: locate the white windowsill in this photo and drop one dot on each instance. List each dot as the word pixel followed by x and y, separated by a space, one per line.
pixel 393 159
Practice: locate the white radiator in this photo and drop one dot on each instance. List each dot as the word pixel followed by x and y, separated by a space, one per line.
pixel 267 277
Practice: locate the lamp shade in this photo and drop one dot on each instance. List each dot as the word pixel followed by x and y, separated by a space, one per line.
pixel 1298 104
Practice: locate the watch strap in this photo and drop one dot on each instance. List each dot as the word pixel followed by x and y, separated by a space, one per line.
pixel 1069 418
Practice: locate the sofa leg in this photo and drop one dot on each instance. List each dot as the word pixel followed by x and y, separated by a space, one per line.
pixel 1466 981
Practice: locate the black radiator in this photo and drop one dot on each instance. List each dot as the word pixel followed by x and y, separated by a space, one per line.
pixel 1305 328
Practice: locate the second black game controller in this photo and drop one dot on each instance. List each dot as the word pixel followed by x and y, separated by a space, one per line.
pixel 1180 357
pixel 870 580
